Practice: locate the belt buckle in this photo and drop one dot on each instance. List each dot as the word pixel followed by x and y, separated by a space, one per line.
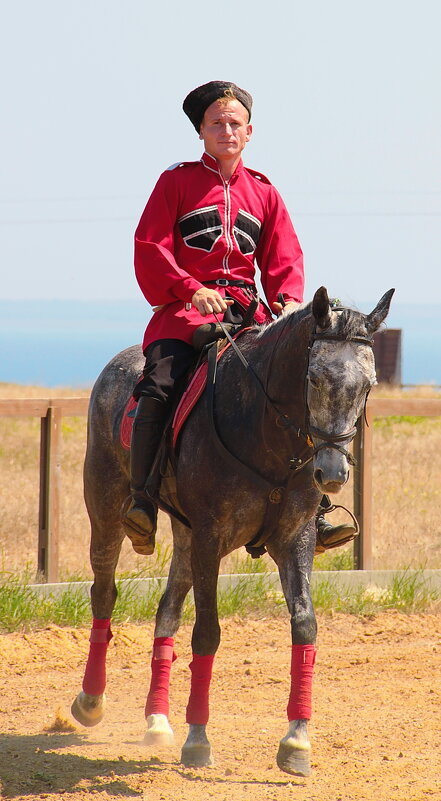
pixel 222 281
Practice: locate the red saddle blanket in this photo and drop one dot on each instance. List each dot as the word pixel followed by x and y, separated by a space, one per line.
pixel 186 404
pixel 188 401
pixel 125 429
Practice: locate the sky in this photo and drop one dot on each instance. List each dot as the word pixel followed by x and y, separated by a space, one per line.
pixel 346 122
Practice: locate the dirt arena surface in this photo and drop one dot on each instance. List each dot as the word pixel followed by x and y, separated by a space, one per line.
pixel 376 729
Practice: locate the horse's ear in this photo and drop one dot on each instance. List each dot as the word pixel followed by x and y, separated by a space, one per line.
pixel 376 317
pixel 321 308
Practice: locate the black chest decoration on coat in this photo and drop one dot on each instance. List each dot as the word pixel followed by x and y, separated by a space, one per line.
pixel 202 228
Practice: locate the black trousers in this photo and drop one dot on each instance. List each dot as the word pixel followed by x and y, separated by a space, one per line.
pixel 167 362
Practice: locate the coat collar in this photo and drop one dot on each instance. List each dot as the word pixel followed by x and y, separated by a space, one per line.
pixel 211 164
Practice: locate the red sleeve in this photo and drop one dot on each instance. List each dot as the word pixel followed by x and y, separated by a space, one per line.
pixel 279 254
pixel 157 272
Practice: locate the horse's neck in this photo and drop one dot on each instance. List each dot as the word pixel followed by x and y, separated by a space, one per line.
pixel 248 406
pixel 282 356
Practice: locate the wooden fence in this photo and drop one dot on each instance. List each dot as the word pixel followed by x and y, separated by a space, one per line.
pixel 377 407
pixel 51 412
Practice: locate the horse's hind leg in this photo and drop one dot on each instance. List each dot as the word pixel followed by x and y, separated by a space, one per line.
pixel 168 617
pixel 103 501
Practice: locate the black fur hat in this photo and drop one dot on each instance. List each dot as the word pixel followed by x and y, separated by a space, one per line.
pixel 203 96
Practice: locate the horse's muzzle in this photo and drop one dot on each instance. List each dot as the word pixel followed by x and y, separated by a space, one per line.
pixel 331 471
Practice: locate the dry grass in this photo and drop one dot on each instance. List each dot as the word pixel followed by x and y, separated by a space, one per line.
pixel 406 488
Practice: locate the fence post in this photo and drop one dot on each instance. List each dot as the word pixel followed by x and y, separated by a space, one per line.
pixel 48 521
pixel 363 493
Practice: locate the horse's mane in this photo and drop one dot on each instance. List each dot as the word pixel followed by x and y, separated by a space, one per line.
pixel 347 323
pixel 291 319
pixel 350 323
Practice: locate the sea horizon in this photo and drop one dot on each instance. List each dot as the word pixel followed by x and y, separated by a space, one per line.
pixel 66 343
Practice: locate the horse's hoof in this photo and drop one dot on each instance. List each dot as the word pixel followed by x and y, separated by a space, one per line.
pixel 294 757
pixel 88 709
pixel 294 754
pixel 197 755
pixel 159 732
pixel 196 751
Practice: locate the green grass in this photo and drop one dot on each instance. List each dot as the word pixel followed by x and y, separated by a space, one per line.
pixel 394 419
pixel 337 559
pixel 22 608
pixel 408 592
pixel 410 419
pixel 244 598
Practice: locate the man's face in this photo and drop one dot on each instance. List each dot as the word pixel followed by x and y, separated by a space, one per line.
pixel 225 129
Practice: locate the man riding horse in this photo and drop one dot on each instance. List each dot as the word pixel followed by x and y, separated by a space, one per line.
pixel 205 226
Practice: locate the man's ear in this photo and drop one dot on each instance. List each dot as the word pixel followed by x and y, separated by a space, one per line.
pixel 249 131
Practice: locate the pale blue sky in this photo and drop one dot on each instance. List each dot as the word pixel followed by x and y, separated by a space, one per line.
pixel 346 124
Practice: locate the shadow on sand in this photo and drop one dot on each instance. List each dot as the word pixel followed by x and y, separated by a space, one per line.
pixel 30 765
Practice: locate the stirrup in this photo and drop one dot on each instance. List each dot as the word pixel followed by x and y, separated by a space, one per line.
pixel 325 510
pixel 334 536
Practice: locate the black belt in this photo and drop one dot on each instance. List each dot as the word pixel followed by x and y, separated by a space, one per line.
pixel 230 282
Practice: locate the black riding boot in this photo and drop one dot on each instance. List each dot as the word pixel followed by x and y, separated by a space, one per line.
pixel 139 519
pixel 331 536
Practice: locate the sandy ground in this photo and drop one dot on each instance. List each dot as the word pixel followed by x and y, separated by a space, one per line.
pixel 376 730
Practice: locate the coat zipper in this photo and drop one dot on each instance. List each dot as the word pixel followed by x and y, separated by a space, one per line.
pixel 227 224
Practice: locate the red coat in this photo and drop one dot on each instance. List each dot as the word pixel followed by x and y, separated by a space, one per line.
pixel 198 227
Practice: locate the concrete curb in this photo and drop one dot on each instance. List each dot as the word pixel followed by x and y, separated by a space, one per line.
pixel 341 579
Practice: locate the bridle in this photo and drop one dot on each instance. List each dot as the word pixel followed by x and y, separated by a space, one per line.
pixel 333 438
pixel 329 440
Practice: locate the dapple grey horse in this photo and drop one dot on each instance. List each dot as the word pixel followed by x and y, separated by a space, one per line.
pixel 253 460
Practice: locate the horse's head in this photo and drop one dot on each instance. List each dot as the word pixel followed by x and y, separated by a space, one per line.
pixel 341 372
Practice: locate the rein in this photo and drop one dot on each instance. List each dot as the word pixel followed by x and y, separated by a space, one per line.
pixel 283 420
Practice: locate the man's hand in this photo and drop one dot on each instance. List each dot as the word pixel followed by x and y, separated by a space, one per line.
pixel 208 301
pixel 292 305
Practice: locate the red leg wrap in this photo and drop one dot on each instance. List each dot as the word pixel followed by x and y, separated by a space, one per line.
pixel 162 659
pixel 94 682
pixel 201 669
pixel 302 669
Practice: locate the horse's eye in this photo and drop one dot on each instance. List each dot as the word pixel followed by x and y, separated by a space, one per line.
pixel 313 382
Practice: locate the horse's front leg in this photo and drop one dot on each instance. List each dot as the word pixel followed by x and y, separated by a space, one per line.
pixel 295 567
pixel 205 561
